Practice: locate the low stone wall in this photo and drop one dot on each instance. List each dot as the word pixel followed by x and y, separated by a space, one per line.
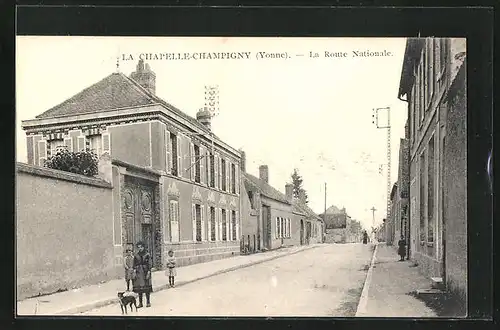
pixel 189 253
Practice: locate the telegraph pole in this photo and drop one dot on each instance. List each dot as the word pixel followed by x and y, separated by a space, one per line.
pixel 388 127
pixel 324 216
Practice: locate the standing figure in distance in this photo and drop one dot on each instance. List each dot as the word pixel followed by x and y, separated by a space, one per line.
pixel 365 237
pixel 402 248
pixel 142 282
pixel 171 272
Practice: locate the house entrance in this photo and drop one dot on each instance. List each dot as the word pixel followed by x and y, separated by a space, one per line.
pixel 137 204
pixel 301 232
pixel 266 216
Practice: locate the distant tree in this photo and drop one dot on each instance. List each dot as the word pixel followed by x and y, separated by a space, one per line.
pixel 83 162
pixel 297 185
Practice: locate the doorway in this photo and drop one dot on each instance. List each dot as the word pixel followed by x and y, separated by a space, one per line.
pixel 137 204
pixel 301 232
pixel 266 217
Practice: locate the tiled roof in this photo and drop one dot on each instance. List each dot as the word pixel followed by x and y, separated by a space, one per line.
pixel 113 92
pixel 306 210
pixel 265 189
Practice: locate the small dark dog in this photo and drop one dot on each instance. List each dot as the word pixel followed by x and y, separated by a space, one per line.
pixel 125 299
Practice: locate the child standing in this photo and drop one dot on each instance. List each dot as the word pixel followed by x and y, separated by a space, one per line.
pixel 171 272
pixel 128 264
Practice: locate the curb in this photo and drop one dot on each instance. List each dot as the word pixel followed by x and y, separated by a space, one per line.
pixel 109 301
pixel 363 300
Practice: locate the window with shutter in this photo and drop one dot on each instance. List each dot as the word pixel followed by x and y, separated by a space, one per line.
pixel 168 156
pixel 237 229
pixel 202 220
pixel 216 171
pixel 203 161
pixel 192 162
pixel 224 228
pixel 180 169
pixel 81 143
pixel 68 144
pixel 237 179
pixel 212 227
pixel 42 152
pixel 219 224
pixel 193 214
pixel 174 221
pixel 228 172
pixel 106 143
pixel 222 174
pixel 233 225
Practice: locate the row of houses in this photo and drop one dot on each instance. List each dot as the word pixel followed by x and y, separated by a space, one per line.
pixel 429 198
pixel 165 178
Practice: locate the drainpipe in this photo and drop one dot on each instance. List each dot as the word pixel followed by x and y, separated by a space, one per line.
pixel 408 238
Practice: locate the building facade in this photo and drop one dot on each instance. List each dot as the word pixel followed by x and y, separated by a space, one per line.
pixel 178 184
pixel 273 219
pixel 433 80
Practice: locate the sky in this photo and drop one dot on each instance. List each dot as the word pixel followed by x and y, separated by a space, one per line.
pixel 305 112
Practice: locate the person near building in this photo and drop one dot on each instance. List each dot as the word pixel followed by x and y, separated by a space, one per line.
pixel 128 264
pixel 402 248
pixel 365 237
pixel 171 272
pixel 142 283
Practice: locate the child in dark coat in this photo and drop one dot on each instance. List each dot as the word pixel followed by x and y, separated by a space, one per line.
pixel 402 248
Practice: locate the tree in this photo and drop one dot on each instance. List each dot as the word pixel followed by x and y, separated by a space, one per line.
pixel 297 184
pixel 83 162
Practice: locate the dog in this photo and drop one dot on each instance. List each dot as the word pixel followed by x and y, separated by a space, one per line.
pixel 127 298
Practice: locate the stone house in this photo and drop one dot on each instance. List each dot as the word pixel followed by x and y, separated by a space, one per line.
pixel 433 81
pixel 176 185
pixel 272 219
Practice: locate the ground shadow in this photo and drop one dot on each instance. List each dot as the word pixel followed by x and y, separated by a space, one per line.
pixel 443 304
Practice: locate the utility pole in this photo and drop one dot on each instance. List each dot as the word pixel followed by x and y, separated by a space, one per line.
pixel 324 216
pixel 388 127
pixel 373 209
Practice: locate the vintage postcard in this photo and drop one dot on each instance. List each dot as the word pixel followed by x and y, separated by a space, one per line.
pixel 190 176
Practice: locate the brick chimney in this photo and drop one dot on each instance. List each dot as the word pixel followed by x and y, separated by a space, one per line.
pixel 264 173
pixel 205 117
pixel 144 76
pixel 289 191
pixel 243 162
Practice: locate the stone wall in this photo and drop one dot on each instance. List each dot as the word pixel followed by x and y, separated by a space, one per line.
pixel 64 231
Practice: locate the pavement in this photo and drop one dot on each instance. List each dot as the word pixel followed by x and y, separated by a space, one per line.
pixel 96 296
pixel 325 281
pixel 387 287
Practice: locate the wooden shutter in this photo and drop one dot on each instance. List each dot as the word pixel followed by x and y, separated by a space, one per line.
pixel 209 224
pixel 237 222
pixel 228 175
pixel 237 178
pixel 230 225
pixel 81 143
pixel 202 215
pixel 216 170
pixel 168 153
pixel 228 222
pixel 179 157
pixel 202 161
pixel 221 173
pixel 42 152
pixel 68 144
pixel 193 210
pixel 192 161
pixel 217 229
pixel 174 221
pixel 220 224
pixel 209 166
pixel 106 143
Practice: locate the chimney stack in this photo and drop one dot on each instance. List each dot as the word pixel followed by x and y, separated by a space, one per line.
pixel 144 77
pixel 289 191
pixel 243 161
pixel 205 117
pixel 264 173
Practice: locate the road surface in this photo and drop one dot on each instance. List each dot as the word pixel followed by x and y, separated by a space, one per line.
pixel 325 281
